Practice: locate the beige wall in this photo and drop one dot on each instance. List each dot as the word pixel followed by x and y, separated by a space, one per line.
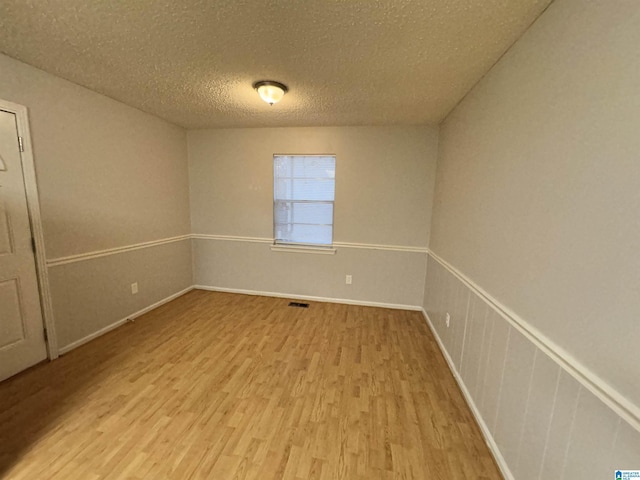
pixel 384 186
pixel 108 176
pixel 384 180
pixel 537 194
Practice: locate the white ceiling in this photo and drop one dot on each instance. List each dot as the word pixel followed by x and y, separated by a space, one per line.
pixel 346 62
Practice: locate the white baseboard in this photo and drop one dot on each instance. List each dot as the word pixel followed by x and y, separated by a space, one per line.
pixel 114 325
pixel 491 443
pixel 345 301
pixel 88 338
pixel 159 303
pixel 108 328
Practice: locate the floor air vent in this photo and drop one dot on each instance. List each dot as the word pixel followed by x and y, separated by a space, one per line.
pixel 298 304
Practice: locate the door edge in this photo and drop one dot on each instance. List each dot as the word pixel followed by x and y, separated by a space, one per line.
pixel 35 220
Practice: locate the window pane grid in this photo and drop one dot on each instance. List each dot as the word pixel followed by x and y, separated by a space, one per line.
pixel 304 191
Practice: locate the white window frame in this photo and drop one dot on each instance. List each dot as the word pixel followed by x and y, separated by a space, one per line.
pixel 293 247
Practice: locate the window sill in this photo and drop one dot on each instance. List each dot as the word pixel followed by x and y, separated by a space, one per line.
pixel 303 249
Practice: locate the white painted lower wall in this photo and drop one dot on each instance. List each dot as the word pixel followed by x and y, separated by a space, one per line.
pixel 92 294
pixel 540 420
pixel 382 275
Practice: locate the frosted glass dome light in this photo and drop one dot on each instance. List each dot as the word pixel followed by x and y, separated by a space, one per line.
pixel 270 91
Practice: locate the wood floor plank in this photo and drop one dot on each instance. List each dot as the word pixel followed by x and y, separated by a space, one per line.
pixel 224 386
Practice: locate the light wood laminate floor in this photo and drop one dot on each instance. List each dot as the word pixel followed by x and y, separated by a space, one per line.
pixel 224 386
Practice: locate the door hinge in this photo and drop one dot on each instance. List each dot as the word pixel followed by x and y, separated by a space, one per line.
pixel 21 143
pixel 33 244
pixel 46 334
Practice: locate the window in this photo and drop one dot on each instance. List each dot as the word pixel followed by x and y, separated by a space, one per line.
pixel 303 197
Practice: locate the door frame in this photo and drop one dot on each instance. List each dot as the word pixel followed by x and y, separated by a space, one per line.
pixel 35 220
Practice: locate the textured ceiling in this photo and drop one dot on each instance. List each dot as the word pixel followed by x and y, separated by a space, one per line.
pixel 346 62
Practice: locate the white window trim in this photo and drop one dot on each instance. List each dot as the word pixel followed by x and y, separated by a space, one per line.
pixel 300 248
pixel 280 246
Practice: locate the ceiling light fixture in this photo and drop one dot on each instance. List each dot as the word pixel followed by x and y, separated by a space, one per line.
pixel 270 91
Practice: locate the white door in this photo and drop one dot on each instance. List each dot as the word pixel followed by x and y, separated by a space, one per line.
pixel 22 341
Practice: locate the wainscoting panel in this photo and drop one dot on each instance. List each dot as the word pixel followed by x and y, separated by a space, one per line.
pixel 540 420
pixel 386 276
pixel 544 381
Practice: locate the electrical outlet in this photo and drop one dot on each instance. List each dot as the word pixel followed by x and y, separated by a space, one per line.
pixel 448 319
pixel 348 280
pixel 134 288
